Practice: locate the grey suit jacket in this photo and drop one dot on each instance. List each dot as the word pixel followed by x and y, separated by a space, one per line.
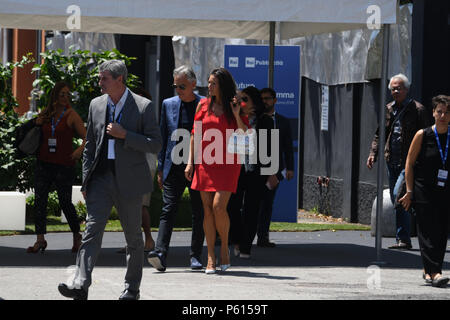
pixel 143 136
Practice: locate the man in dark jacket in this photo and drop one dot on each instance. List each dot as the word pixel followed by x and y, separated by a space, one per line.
pixel 404 117
pixel 177 113
pixel 286 161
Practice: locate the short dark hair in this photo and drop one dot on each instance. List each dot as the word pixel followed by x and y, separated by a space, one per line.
pixel 270 91
pixel 255 95
pixel 440 99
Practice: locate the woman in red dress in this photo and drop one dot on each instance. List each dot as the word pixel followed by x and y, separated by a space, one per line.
pixel 216 171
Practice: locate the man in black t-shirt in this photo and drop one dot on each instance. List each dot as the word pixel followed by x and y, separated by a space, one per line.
pixel 177 113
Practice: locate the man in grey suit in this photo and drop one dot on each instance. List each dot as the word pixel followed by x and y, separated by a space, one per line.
pixel 122 128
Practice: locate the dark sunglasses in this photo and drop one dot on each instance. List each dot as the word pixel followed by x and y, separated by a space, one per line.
pixel 396 89
pixel 245 99
pixel 180 86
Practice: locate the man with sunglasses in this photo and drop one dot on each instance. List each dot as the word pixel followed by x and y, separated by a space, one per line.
pixel 177 113
pixel 404 117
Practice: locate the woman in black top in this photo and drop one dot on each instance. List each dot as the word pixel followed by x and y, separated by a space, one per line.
pixel 243 207
pixel 427 185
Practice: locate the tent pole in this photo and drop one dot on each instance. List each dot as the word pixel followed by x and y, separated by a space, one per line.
pixel 158 73
pixel 271 53
pixel 381 144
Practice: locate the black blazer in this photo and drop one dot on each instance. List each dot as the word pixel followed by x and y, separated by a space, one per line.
pixel 286 148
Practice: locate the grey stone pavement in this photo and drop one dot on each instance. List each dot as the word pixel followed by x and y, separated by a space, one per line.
pixel 303 266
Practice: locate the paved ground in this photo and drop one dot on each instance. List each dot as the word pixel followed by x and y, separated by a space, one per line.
pixel 304 265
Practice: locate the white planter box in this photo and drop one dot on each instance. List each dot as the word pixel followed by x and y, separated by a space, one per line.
pixel 77 196
pixel 12 210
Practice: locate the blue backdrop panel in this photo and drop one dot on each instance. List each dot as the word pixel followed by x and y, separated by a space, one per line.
pixel 249 65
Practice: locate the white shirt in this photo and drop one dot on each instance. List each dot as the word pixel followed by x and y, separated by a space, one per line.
pixel 119 105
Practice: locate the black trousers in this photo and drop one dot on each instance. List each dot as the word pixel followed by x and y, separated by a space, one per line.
pixel 243 209
pixel 63 177
pixel 173 188
pixel 265 212
pixel 235 210
pixel 432 232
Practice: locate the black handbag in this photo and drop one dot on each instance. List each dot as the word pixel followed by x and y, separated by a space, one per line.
pixel 28 138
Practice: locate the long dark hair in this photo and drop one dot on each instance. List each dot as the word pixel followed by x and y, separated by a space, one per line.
pixel 227 88
pixel 255 95
pixel 50 110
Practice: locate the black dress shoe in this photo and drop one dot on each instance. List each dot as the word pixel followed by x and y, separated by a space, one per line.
pixel 427 280
pixel 157 260
pixel 440 282
pixel 129 295
pixel 401 246
pixel 75 294
pixel 265 244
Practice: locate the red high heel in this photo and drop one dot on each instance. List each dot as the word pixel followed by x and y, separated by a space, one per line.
pixel 38 246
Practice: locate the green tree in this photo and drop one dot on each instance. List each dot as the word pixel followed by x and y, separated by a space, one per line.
pixel 79 70
pixel 14 173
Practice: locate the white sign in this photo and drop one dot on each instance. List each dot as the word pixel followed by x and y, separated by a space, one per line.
pixel 325 108
pixel 250 62
pixel 233 62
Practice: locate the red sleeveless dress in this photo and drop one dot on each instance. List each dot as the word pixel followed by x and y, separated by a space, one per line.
pixel 64 148
pixel 218 170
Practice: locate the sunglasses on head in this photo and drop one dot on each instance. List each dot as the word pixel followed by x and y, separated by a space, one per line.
pixel 179 86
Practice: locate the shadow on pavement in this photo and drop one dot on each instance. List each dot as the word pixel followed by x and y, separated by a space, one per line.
pixel 284 255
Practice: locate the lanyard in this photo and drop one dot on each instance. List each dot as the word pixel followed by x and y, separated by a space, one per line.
pixel 55 124
pixel 443 156
pixel 112 117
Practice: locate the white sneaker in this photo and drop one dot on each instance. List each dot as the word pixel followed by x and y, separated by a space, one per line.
pixel 196 264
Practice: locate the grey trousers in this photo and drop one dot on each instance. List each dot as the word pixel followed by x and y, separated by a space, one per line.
pixel 101 194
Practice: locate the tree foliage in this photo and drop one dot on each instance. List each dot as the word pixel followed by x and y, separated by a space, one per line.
pixel 14 173
pixel 79 69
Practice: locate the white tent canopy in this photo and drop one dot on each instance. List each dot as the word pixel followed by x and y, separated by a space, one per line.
pixel 245 19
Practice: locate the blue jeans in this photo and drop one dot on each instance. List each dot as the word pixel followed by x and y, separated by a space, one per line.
pixel 396 176
pixel 173 189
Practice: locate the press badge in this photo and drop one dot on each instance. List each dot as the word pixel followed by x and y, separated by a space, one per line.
pixel 52 145
pixel 442 177
pixel 111 154
pixel 243 144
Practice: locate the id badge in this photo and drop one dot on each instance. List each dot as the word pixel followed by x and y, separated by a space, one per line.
pixel 442 177
pixel 111 154
pixel 52 145
pixel 243 144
